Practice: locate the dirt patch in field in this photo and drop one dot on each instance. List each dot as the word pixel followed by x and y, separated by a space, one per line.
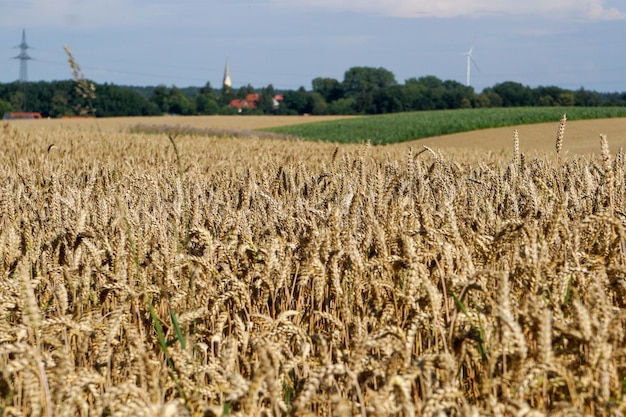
pixel 581 137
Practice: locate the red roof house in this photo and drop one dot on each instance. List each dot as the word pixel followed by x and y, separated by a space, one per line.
pixel 251 101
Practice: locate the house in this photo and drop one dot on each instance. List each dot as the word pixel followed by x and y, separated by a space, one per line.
pixel 277 99
pixel 21 115
pixel 251 101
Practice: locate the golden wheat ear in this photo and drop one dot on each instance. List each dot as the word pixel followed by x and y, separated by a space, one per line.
pixel 516 153
pixel 560 134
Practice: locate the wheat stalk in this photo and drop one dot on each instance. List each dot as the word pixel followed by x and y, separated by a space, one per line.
pixel 85 89
pixel 560 134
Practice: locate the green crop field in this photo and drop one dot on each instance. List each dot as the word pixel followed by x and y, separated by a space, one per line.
pixel 401 127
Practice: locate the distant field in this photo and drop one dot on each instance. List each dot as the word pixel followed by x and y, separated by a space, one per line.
pixel 120 124
pixel 431 127
pixel 581 137
pixel 401 127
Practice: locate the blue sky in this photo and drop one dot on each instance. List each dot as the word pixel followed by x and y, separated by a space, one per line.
pixel 287 43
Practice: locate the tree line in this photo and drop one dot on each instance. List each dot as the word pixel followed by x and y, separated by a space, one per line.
pixel 364 90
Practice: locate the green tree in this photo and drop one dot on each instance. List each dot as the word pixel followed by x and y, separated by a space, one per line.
pixel 206 104
pixel 567 98
pixel 547 95
pixel 363 83
pixel 244 91
pixel 18 101
pixel 342 106
pixel 366 80
pixel 390 100
pixel 115 101
pixel 480 101
pixel 227 110
pixel 456 95
pixel 365 102
pixel 207 90
pixel 494 98
pixel 296 101
pixel 545 101
pixel 514 94
pixel 587 98
pixel 428 81
pixel 159 98
pixel 42 93
pixel 318 105
pixel 465 103
pixel 416 95
pixel 329 88
pixel 179 103
pixel 5 106
pixel 266 100
pixel 59 105
pixel 225 97
pixel 428 93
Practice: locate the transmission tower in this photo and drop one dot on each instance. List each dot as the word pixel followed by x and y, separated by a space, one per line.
pixel 23 57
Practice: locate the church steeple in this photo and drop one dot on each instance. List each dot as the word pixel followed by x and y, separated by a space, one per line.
pixel 227 81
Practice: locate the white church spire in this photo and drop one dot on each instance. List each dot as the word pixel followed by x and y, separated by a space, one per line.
pixel 227 81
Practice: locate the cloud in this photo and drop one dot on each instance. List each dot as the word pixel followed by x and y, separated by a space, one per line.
pixel 75 13
pixel 554 9
pixel 107 13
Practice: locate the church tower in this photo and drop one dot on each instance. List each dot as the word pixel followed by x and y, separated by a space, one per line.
pixel 227 81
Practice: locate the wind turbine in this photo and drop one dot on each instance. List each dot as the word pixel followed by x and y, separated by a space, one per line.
pixel 470 61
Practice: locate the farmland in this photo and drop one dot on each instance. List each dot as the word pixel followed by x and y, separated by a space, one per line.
pixel 123 124
pixel 402 127
pixel 186 274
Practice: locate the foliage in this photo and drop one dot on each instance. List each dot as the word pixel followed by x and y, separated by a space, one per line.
pixel 178 103
pixel 244 91
pixel 342 106
pixel 358 80
pixel 115 101
pixel 59 98
pixel 363 90
pixel 329 88
pixel 364 84
pixel 266 100
pixel 206 104
pixel 297 102
pixel 5 106
pixel 393 128
pixel 173 101
pixel 513 94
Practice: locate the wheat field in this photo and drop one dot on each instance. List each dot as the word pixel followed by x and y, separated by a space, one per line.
pixel 123 124
pixel 147 275
pixel 582 138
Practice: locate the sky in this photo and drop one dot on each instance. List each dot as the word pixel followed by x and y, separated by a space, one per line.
pixel 288 43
